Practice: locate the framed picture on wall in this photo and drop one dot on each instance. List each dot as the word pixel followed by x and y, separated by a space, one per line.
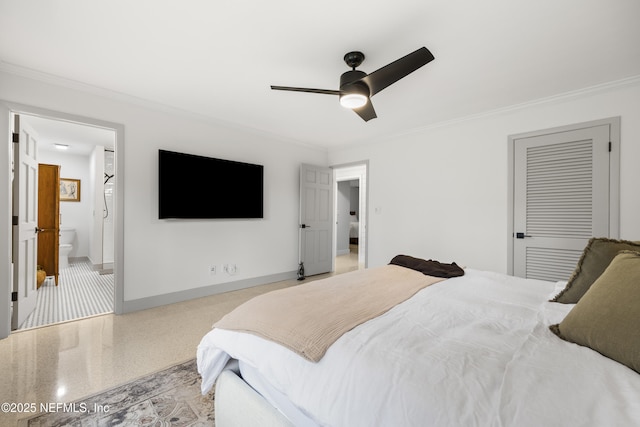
pixel 69 190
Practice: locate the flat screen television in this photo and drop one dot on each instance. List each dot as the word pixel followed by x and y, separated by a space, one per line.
pixel 197 187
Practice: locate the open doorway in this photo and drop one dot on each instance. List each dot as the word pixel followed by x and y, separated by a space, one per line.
pixel 350 249
pixel 84 156
pixel 90 159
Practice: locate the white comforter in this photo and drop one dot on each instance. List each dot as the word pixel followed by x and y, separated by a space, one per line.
pixel 469 351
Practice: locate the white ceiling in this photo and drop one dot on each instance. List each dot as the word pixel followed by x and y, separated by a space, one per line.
pixel 80 139
pixel 218 58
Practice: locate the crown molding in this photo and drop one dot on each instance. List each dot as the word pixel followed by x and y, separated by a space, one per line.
pixel 130 99
pixel 144 103
pixel 565 96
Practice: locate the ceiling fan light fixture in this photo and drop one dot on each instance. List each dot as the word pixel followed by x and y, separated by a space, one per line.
pixel 353 100
pixel 353 95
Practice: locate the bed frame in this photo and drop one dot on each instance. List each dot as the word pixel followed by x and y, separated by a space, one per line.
pixel 239 405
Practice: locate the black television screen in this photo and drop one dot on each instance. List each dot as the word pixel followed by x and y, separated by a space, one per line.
pixel 194 187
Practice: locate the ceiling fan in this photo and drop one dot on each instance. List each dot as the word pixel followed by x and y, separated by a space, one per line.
pixel 357 87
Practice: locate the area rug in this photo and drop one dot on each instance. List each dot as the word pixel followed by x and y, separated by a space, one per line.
pixel 170 397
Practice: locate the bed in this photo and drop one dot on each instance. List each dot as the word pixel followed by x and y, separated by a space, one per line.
pixel 481 349
pixel 354 228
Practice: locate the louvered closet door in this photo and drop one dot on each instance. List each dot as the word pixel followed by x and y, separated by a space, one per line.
pixel 561 200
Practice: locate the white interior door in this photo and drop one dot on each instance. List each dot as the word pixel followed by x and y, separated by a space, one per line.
pixel 316 219
pixel 561 199
pixel 25 221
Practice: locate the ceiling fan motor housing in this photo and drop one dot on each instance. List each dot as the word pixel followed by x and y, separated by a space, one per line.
pixel 350 82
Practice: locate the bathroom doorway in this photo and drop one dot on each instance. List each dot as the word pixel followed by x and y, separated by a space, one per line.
pixel 85 156
pixel 350 217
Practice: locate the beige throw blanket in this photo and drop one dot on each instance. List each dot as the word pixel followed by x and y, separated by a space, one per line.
pixel 309 318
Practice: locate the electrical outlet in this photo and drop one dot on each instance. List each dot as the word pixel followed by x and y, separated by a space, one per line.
pixel 212 270
pixel 229 269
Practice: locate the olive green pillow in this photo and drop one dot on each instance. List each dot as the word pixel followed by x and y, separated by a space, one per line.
pixel 594 260
pixel 606 318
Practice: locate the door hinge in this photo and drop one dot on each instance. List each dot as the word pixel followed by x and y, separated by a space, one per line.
pixel 609 146
pixel 14 296
pixel 14 220
pixel 15 137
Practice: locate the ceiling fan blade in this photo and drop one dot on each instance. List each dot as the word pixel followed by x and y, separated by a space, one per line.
pixel 398 69
pixel 303 89
pixel 366 112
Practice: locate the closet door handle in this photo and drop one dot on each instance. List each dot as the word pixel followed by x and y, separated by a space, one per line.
pixel 522 235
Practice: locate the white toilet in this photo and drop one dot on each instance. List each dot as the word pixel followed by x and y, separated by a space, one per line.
pixel 67 236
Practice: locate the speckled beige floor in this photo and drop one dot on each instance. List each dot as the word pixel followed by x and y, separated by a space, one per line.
pixel 68 361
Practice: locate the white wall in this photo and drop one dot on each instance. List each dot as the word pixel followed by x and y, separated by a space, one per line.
pixel 441 192
pixel 161 256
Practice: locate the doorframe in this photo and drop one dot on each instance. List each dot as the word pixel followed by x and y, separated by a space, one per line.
pixel 8 108
pixel 364 205
pixel 614 176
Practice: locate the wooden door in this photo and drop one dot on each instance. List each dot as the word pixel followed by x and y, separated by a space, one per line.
pixel 49 218
pixel 316 219
pixel 25 221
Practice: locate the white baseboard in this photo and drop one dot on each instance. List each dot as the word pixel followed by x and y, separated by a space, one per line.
pixel 205 291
